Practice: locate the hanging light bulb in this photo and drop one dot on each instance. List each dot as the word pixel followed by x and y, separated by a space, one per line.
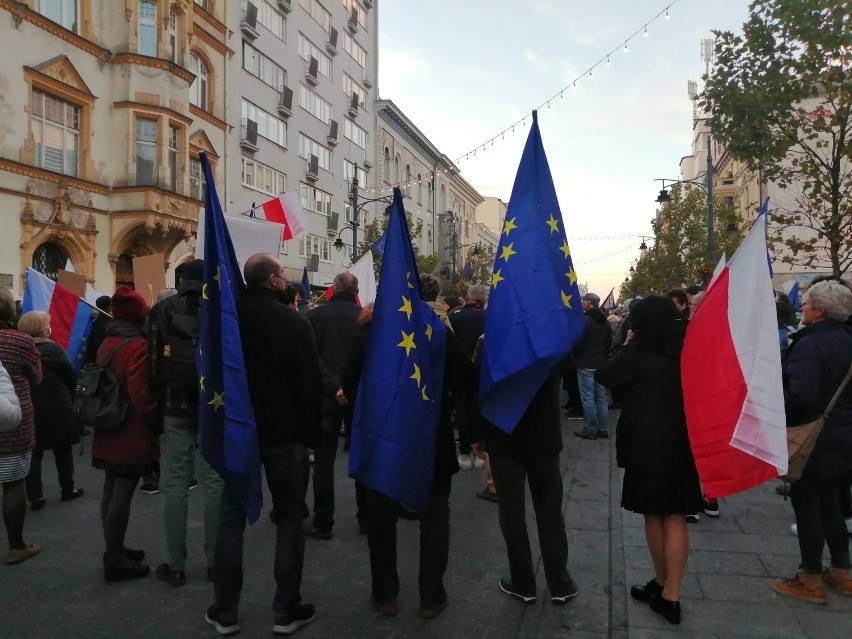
pixel 562 95
pixel 590 73
pixel 667 13
pixel 607 61
pixel 625 47
pixel 645 33
pixel 548 105
pixel 574 86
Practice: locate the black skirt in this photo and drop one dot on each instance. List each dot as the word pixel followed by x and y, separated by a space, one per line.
pixel 676 493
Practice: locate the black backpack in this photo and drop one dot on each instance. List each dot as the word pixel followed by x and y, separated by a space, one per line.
pixel 179 326
pixel 99 400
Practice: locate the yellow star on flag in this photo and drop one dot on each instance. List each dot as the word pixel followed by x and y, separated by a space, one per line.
pixel 218 400
pixel 201 382
pixel 566 299
pixel 204 292
pixel 553 223
pixel 406 307
pixel 571 275
pixel 509 225
pixel 407 342
pixel 564 248
pixel 507 252
pixel 496 278
pixel 416 375
pixel 423 392
pixel 428 332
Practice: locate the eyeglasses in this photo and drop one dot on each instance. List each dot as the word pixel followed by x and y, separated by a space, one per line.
pixel 280 277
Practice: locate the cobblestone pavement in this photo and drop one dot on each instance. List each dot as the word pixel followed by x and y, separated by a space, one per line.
pixel 61 593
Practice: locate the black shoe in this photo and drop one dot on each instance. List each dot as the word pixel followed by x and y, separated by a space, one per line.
pixel 428 611
pixel 488 495
pixel 669 609
pixel 573 413
pixel 644 593
pixel 586 434
pixel 38 504
pixel 407 513
pixel 316 533
pixel 151 488
pixel 223 626
pixel 134 555
pixel 507 587
pixel 77 492
pixel 301 616
pixel 569 593
pixel 388 609
pixel 123 569
pixel 603 434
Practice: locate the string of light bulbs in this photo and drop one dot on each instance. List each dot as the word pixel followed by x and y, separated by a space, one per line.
pixel 664 13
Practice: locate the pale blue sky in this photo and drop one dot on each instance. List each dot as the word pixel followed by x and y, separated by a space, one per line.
pixel 465 70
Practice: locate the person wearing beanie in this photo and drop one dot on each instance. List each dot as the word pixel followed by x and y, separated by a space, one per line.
pixel 125 453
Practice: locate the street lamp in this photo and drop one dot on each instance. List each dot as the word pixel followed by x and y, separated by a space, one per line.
pixel 356 209
pixel 707 185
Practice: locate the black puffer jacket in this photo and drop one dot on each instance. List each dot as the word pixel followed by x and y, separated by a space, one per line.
pixel 55 422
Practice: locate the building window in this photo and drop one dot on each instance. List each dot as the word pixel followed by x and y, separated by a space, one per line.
pixel 56 129
pixel 419 189
pixel 272 20
pixel 173 157
pixel 147 28
pixel 62 12
pixel 314 245
pixel 263 68
pixel 309 147
pixel 407 180
pixel 203 4
pixel 350 170
pixel 196 179
pixel 263 178
pixel 350 87
pixel 354 133
pixel 173 36
pixel 308 50
pixel 198 90
pixel 387 166
pixel 314 200
pixel 146 151
pixel 313 104
pixel 362 13
pixel 49 258
pixel 396 173
pixel 268 125
pixel 358 53
pixel 317 12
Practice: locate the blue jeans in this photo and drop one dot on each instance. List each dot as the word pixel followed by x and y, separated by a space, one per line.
pixel 595 403
pixel 285 477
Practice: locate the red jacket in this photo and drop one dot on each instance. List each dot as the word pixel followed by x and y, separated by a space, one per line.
pixel 135 443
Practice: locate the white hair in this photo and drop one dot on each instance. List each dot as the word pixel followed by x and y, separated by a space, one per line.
pixel 832 297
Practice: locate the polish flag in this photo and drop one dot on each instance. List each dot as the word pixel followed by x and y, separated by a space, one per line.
pixel 70 317
pixel 286 209
pixel 731 375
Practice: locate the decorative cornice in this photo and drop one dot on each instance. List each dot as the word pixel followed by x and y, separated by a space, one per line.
pixel 213 43
pixel 209 19
pixel 155 63
pixel 42 174
pixel 49 200
pixel 153 108
pixel 47 80
pixel 209 117
pixel 21 11
pixel 154 189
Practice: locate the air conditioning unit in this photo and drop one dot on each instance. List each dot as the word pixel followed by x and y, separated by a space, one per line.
pixel 332 132
pixel 313 263
pixel 367 82
pixel 312 168
pixel 353 104
pixel 368 3
pixel 248 23
pixel 333 220
pixel 353 21
pixel 285 6
pixel 331 45
pixel 312 71
pixel 285 101
pixel 248 135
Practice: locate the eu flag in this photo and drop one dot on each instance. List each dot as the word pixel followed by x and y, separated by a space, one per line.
pixel 534 310
pixel 306 284
pixel 396 412
pixel 226 422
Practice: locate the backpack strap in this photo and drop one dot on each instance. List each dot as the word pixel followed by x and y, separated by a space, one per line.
pixel 118 348
pixel 838 393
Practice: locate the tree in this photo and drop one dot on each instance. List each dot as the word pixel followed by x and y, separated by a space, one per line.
pixel 679 255
pixel 375 229
pixel 780 98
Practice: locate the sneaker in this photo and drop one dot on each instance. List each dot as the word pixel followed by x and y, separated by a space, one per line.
pixel 77 492
pixel 796 589
pixel 711 507
pixel 574 413
pixel 586 434
pixel 222 626
pixel 795 529
pixel 151 489
pixel 478 464
pixel 562 599
pixel 692 519
pixel 193 483
pixel 465 462
pixel 507 587
pixel 301 616
pixel 487 495
pixel 843 586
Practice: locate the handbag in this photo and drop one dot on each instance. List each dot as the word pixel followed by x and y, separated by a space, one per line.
pixel 801 440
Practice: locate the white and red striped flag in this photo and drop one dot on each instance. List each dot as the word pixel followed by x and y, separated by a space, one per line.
pixel 286 209
pixel 731 374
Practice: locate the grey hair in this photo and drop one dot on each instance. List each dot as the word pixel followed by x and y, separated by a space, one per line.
pixel 477 293
pixel 165 294
pixel 832 297
pixel 7 303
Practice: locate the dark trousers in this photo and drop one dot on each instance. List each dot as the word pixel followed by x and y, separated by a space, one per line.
pixel 545 482
pixel 285 477
pixel 324 456
pixel 434 545
pixel 64 459
pixel 816 502
pixel 465 414
pixel 115 513
pixel 846 497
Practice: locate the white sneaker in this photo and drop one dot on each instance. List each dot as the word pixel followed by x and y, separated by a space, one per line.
pixel 795 529
pixel 478 463
pixel 465 462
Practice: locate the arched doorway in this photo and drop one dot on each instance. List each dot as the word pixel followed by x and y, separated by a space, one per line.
pixel 49 258
pixel 124 270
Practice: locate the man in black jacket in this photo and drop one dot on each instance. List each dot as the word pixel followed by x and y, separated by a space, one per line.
pixel 283 375
pixel 335 325
pixel 589 354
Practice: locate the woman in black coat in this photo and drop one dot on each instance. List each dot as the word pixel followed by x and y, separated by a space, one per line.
pixel 56 424
pixel 652 445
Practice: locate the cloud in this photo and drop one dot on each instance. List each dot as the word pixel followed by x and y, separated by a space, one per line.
pixel 401 66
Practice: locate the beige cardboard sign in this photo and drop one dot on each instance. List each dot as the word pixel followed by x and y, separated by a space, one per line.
pixel 149 276
pixel 74 282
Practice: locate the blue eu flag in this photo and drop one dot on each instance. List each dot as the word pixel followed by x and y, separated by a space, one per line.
pixel 534 310
pixel 226 421
pixel 399 398
pixel 306 284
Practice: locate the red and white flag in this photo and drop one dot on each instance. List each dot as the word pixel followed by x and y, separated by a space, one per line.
pixel 731 374
pixel 287 209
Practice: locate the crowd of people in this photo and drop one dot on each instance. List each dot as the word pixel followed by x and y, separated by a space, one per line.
pixel 303 364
